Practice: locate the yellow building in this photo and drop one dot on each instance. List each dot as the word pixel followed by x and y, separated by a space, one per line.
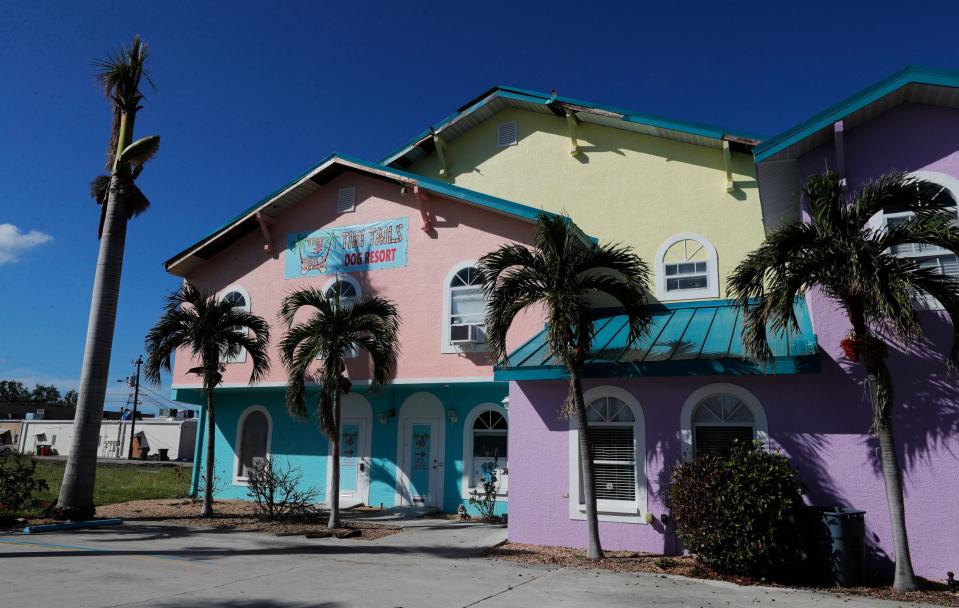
pixel 684 196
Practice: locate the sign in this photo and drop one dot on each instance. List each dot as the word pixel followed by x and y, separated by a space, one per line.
pixel 375 246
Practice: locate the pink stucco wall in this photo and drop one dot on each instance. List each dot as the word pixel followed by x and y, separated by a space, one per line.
pixel 821 421
pixel 461 233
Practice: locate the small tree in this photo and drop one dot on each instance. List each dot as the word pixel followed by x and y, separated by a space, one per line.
pixel 19 485
pixel 485 502
pixel 333 328
pixel 214 331
pixel 563 274
pixel 839 253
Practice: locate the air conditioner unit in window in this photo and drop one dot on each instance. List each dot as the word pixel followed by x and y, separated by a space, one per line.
pixel 463 334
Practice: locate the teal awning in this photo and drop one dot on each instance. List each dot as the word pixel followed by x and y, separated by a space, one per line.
pixel 687 339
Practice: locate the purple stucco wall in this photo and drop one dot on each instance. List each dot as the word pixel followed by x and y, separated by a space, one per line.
pixel 821 421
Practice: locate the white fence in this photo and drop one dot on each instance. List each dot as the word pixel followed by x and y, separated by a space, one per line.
pixel 176 436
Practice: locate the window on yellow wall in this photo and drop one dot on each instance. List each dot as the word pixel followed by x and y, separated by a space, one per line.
pixel 686 268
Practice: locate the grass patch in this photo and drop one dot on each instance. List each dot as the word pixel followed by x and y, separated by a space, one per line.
pixel 121 483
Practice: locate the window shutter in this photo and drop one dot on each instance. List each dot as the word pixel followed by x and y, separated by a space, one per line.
pixel 614 462
pixel 346 200
pixel 507 134
pixel 718 440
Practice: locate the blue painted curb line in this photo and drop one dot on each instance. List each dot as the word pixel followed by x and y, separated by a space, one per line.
pixel 94 523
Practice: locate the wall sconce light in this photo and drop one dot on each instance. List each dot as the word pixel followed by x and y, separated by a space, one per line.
pixel 452 415
pixel 385 416
pixel 505 403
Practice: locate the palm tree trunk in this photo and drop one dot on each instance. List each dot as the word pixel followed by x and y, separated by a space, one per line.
pixel 335 473
pixel 880 391
pixel 594 549
pixel 208 486
pixel 79 477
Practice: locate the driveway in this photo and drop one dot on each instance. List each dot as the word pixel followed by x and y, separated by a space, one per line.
pixel 424 566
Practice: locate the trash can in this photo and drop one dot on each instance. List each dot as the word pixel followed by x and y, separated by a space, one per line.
pixel 845 547
pixel 164 453
pixel 144 452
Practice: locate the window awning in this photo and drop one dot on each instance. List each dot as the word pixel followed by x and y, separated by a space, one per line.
pixel 685 339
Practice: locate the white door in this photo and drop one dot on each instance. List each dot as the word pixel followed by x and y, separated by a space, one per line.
pixel 422 461
pixel 355 429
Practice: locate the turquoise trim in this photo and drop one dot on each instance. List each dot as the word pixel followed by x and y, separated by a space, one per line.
pixel 537 97
pixel 500 205
pixel 908 75
pixel 685 339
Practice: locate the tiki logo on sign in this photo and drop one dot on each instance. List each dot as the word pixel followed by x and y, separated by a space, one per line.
pixel 347 249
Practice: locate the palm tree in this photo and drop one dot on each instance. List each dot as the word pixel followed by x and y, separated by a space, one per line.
pixel 214 331
pixel 119 199
pixel 564 276
pixel 332 329
pixel 839 253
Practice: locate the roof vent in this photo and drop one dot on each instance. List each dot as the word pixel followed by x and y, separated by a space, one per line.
pixel 346 200
pixel 507 134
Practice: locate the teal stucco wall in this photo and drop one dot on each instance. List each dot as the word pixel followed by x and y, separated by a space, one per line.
pixel 303 445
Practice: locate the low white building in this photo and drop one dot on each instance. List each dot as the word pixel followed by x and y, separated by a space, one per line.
pixel 176 436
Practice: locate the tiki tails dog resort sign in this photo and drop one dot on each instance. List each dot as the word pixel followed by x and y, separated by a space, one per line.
pixel 346 249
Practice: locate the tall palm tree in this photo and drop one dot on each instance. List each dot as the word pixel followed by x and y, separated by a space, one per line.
pixel 565 276
pixel 332 329
pixel 839 253
pixel 119 198
pixel 214 331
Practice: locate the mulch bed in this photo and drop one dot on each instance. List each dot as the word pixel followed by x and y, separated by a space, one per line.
pixel 931 592
pixel 237 515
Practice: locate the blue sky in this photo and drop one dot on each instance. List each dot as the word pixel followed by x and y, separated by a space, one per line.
pixel 251 94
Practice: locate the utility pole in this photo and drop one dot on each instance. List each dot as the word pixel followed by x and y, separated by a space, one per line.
pixel 136 399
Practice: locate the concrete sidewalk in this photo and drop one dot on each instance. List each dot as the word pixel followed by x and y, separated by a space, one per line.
pixel 422 567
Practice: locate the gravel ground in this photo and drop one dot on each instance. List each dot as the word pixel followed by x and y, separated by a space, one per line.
pixel 624 561
pixel 234 515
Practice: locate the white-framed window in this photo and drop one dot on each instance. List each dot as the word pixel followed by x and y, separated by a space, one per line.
pixel 239 298
pixel 346 199
pixel 716 416
pixel 617 432
pixel 254 434
pixel 506 134
pixel 936 258
pixel 349 291
pixel 464 311
pixel 485 433
pixel 686 268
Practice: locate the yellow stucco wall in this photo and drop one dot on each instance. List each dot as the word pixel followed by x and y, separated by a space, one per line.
pixel 624 187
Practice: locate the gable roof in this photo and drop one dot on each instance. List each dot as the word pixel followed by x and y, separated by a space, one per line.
pixel 914 84
pixel 501 97
pixel 315 178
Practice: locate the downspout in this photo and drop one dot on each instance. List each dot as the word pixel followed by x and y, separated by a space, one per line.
pixel 198 451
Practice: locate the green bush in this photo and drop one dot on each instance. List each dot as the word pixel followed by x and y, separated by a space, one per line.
pixel 19 483
pixel 741 513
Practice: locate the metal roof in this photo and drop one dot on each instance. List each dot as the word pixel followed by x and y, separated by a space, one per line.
pixel 912 84
pixel 501 97
pixel 315 178
pixel 686 339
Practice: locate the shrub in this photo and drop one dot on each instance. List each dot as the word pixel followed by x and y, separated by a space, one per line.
pixel 277 493
pixel 18 483
pixel 485 502
pixel 741 513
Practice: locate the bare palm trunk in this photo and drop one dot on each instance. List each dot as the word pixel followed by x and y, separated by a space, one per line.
pixel 880 391
pixel 208 486
pixel 335 473
pixel 594 548
pixel 79 477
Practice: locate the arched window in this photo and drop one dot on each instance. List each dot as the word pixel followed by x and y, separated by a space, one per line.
pixel 617 437
pixel 253 438
pixel 349 292
pixel 937 259
pixel 464 323
pixel 686 268
pixel 718 416
pixel 240 299
pixel 485 445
